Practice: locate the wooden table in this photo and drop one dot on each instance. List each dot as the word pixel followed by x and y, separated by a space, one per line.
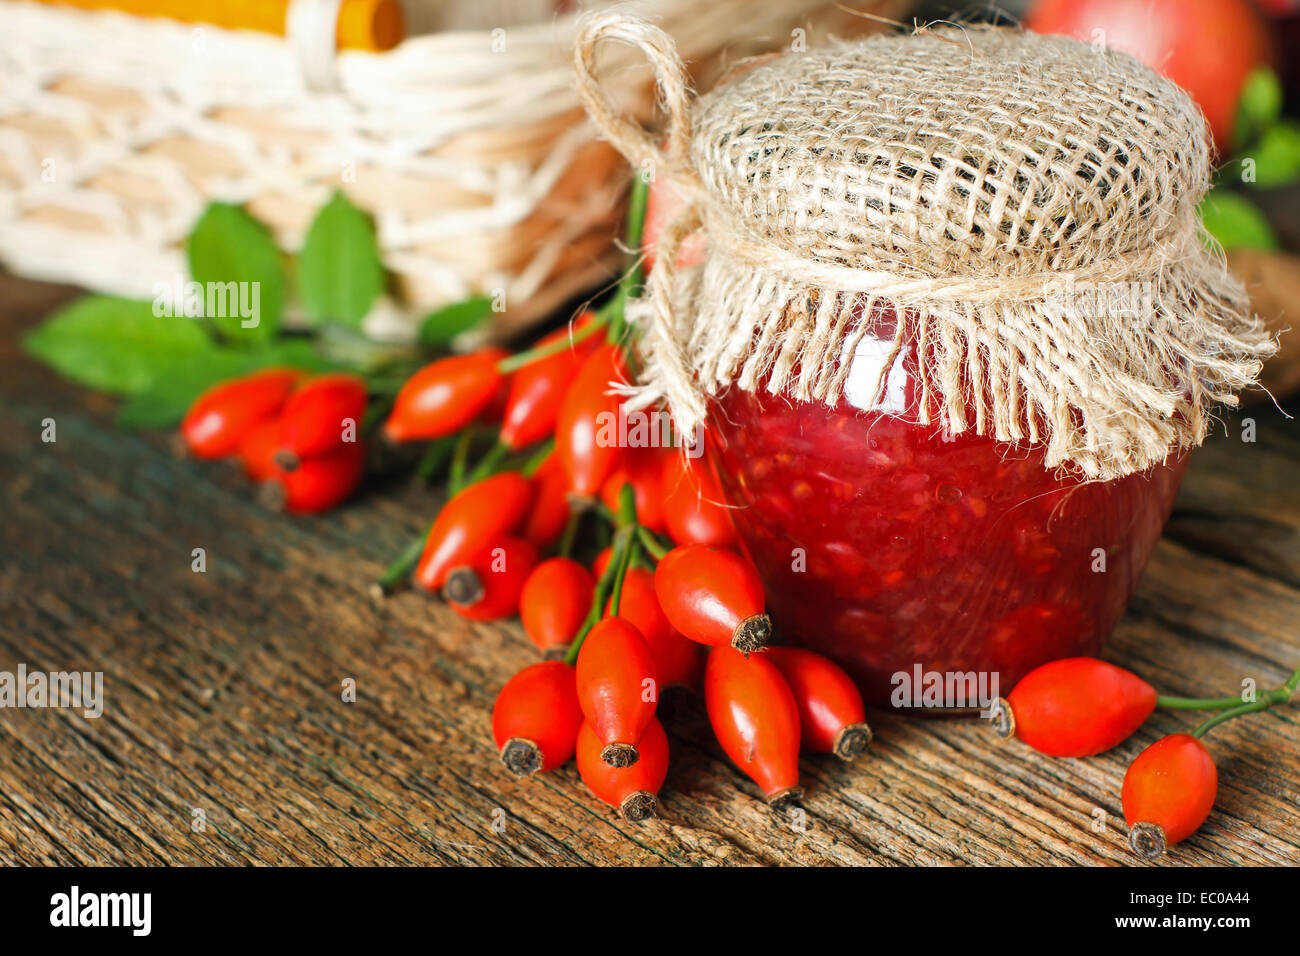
pixel 224 739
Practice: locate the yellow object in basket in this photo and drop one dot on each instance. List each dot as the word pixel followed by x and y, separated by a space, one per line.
pixel 374 25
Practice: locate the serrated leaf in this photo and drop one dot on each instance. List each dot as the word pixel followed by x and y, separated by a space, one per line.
pixel 165 402
pixel 115 345
pixel 339 271
pixel 1235 222
pixel 440 327
pixel 228 245
pixel 1259 105
pixel 1277 156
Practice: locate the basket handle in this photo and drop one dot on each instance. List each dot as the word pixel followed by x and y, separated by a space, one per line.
pixel 631 139
pixel 310 26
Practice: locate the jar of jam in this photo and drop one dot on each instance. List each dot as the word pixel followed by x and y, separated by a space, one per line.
pixel 891 546
pixel 952 332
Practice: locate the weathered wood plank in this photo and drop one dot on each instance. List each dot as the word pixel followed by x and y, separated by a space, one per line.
pixel 223 689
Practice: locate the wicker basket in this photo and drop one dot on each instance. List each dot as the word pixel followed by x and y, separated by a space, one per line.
pixel 465 142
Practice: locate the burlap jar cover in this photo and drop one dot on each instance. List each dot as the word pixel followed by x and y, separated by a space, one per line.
pixel 1027 203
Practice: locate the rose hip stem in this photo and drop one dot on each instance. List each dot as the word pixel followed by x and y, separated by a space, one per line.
pixel 1279 695
pixel 612 316
pixel 611 579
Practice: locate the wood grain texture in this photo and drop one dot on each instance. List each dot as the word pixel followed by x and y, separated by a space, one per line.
pixel 223 689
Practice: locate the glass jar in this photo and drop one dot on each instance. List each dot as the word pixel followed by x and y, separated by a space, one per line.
pixel 890 546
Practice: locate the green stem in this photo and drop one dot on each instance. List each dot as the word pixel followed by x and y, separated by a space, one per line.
pixel 515 362
pixel 1279 695
pixel 487 465
pixel 376 412
pixel 459 459
pixel 435 456
pixel 651 543
pixel 627 521
pixel 538 458
pixel 400 569
pixel 570 531
pixel 630 286
pixel 621 540
pixel 1197 703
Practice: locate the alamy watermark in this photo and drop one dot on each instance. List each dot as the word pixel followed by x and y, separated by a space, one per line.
pixel 76 689
pixel 219 300
pixel 646 429
pixel 919 688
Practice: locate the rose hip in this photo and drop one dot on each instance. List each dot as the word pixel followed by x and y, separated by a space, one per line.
pixel 318 483
pixel 713 596
pixel 678 660
pixel 555 602
pixel 475 517
pixel 756 719
pixel 1168 792
pixel 586 433
pixel 536 717
pixel 643 469
pixel 538 388
pixel 219 419
pixel 1075 707
pixel 490 588
pixel 832 718
pixel 693 506
pixel 550 511
pixel 318 416
pixel 632 790
pixel 445 396
pixel 257 450
pixel 617 688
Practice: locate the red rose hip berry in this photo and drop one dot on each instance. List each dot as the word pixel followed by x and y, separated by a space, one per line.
pixel 220 419
pixel 445 396
pixel 1168 792
pixel 480 514
pixel 555 602
pixel 756 719
pixel 618 688
pixel 536 717
pixel 1075 707
pixel 832 719
pixel 713 596
pixel 633 790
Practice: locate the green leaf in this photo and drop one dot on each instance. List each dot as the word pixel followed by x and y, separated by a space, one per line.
pixel 226 246
pixel 115 345
pixel 1235 222
pixel 440 327
pixel 339 271
pixel 1259 106
pixel 165 402
pixel 1276 156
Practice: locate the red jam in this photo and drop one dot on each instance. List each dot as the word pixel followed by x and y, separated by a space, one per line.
pixel 959 554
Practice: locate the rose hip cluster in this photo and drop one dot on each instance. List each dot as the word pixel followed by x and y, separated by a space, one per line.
pixel 1081 706
pixel 646 615
pixel 296 435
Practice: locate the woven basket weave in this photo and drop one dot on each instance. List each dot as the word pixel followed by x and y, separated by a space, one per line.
pixel 466 142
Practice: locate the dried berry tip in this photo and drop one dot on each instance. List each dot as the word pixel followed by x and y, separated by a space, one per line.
pixel 852 741
pixel 286 459
pixel 1147 840
pixel 620 755
pixel 556 652
pixel 639 806
pixel 521 756
pixel 463 586
pixel 1004 718
pixel 752 634
pixel 783 797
